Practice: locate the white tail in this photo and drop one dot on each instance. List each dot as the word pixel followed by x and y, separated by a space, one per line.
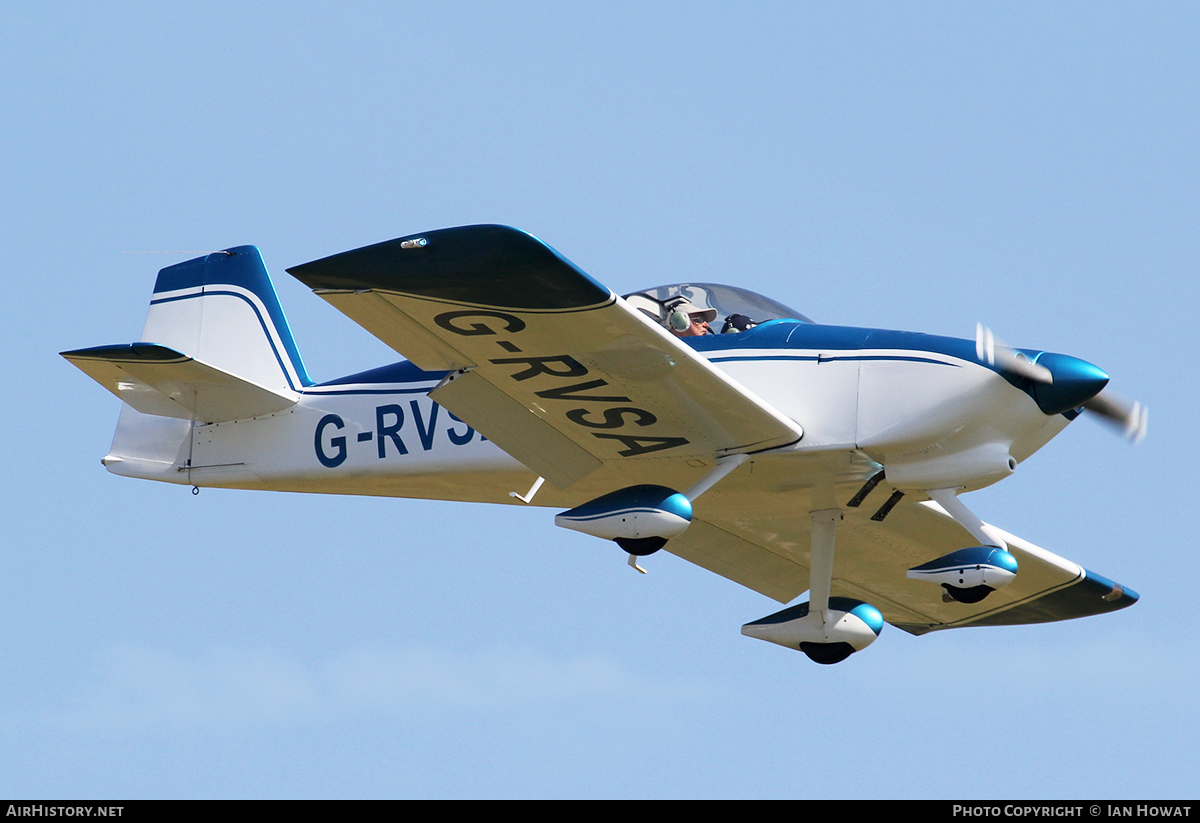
pixel 216 347
pixel 222 310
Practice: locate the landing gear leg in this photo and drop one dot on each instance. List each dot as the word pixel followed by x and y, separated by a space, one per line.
pixel 948 500
pixel 827 629
pixel 820 574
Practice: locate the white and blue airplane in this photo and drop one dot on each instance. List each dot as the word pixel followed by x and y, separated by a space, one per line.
pixel 782 454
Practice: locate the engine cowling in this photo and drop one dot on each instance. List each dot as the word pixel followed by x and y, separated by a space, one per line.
pixel 640 519
pixel 971 574
pixel 853 625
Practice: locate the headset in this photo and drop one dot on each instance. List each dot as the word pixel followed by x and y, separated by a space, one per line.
pixel 678 320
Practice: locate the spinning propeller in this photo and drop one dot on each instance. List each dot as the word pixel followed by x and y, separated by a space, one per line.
pixel 1062 383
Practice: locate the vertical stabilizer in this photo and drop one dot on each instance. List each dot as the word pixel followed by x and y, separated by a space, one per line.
pixel 221 309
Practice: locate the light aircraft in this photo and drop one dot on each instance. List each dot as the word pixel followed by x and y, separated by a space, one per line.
pixel 777 452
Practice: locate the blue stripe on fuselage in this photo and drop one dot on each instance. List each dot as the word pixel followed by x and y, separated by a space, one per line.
pixel 794 334
pixel 402 372
pixel 392 376
pixel 780 335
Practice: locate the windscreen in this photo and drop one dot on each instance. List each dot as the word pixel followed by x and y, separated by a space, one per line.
pixel 727 300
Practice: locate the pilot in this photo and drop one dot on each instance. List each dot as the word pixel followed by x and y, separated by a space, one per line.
pixel 687 320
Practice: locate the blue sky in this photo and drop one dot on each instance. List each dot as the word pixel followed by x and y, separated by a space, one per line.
pixel 923 167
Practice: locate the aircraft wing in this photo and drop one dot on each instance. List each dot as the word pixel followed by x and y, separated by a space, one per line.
pixel 556 369
pixel 578 385
pixel 752 529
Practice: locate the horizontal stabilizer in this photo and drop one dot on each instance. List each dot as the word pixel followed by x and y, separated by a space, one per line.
pixel 160 381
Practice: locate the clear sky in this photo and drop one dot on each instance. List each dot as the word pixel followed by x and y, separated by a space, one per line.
pixel 914 166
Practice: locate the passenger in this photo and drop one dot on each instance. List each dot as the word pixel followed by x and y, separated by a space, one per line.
pixel 737 323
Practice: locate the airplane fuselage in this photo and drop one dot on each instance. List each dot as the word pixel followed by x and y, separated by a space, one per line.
pixel 919 404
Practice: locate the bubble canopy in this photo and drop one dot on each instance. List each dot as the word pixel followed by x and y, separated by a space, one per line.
pixel 727 300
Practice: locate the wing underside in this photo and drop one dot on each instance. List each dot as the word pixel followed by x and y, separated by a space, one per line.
pixel 754 531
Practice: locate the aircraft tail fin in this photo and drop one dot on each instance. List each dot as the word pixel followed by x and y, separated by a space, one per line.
pixel 217 348
pixel 222 310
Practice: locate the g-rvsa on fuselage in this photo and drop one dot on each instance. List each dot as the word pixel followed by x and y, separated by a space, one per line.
pixel 780 453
